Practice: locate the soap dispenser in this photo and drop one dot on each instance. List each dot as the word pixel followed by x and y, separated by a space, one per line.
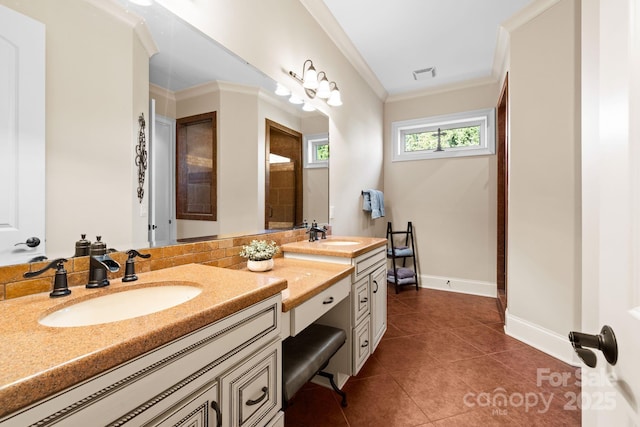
pixel 83 246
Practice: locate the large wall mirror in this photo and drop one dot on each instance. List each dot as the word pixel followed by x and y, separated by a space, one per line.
pixel 101 75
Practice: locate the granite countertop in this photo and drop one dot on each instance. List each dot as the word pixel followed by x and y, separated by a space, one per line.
pixel 305 279
pixel 37 361
pixel 336 246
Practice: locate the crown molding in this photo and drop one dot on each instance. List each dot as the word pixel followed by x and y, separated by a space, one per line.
pixel 213 87
pixel 466 84
pixel 130 19
pixel 237 88
pixel 528 13
pixel 501 54
pixel 320 12
pixel 199 90
pixel 160 91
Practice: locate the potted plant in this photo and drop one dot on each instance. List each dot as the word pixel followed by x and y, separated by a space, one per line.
pixel 260 254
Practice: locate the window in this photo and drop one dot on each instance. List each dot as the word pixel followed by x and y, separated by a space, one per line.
pixel 471 133
pixel 316 149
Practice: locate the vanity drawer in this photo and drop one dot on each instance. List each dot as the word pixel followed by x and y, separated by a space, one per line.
pixel 366 263
pixel 250 393
pixel 309 311
pixel 361 303
pixel 361 345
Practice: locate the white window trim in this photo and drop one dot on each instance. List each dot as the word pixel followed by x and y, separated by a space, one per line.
pixel 309 152
pixel 484 117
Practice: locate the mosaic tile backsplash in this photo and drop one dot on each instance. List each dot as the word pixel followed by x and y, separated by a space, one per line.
pixel 217 253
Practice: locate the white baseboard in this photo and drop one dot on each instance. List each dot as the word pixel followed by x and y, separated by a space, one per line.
pixel 464 286
pixel 547 341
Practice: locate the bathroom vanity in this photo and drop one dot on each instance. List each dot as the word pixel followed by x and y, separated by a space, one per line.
pixel 356 304
pixel 213 360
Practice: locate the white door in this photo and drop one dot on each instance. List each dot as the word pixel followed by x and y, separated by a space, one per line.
pixel 22 137
pixel 162 224
pixel 611 206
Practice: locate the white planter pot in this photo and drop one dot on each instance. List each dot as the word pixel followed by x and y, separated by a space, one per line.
pixel 264 265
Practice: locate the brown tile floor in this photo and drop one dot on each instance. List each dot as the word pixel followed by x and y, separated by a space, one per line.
pixel 445 361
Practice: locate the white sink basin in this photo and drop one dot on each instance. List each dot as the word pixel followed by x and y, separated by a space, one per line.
pixel 340 243
pixel 122 305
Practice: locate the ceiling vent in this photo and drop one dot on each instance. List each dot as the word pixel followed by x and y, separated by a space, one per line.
pixel 425 73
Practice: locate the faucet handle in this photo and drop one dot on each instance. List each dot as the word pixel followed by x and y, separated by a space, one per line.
pixel 60 286
pixel 54 263
pixel 133 253
pixel 130 268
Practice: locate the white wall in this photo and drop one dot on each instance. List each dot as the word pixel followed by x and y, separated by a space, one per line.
pixel 544 256
pixel 241 152
pixel 316 180
pixel 92 110
pixel 451 202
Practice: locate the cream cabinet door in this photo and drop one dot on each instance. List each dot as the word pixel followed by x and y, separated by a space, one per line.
pixel 200 409
pixel 378 306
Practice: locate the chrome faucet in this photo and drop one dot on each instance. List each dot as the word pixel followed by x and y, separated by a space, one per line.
pixel 99 263
pixel 314 230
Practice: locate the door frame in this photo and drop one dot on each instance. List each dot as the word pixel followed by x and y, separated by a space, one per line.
pixel 502 154
pixel 154 173
pixel 270 125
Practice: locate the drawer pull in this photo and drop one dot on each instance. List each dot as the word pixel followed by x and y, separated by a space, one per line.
pixel 216 407
pixel 363 300
pixel 365 344
pixel 376 291
pixel 265 393
pixel 328 300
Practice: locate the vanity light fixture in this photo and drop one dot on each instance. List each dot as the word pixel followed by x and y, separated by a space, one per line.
pixel 335 100
pixel 295 99
pixel 282 90
pixel 317 84
pixel 308 107
pixel 324 88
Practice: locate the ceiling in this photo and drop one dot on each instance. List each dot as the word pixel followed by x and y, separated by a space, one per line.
pixel 186 57
pixel 395 38
pixel 386 40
